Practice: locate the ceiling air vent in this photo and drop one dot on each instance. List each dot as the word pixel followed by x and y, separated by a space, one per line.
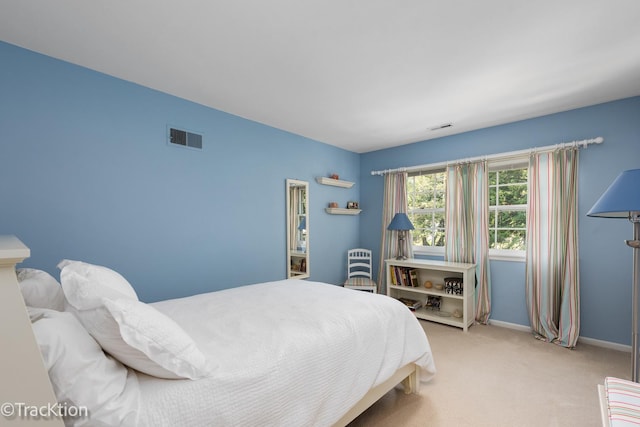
pixel 443 126
pixel 185 138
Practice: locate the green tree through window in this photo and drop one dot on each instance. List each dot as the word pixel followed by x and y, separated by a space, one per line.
pixel 426 198
pixel 508 209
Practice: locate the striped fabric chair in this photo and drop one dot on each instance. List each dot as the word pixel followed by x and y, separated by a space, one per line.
pixel 619 402
pixel 359 271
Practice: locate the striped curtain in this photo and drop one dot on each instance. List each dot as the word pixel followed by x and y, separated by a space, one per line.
pixel 466 227
pixel 552 277
pixel 395 201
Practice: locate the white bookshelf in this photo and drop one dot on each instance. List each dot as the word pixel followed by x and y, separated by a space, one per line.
pixel 435 272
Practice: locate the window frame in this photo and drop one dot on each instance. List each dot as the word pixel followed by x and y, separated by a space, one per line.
pixel 516 162
pixel 428 250
pixel 519 162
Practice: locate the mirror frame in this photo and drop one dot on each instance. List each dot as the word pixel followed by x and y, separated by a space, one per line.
pixel 298 255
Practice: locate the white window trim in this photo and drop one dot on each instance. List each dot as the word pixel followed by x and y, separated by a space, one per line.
pixel 494 254
pixel 518 162
pixel 428 250
pixel 507 255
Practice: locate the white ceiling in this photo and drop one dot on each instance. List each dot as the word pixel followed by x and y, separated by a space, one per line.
pixel 361 75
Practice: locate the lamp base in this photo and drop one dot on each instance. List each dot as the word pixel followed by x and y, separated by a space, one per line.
pixel 401 255
pixel 635 353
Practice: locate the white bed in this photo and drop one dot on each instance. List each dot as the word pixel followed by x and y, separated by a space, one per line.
pixel 290 352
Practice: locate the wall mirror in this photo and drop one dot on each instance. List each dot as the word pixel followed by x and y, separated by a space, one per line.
pixel 297 228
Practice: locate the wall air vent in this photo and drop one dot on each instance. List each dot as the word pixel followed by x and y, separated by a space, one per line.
pixel 185 138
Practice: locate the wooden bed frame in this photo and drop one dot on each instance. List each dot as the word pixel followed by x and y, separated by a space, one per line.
pixel 25 380
pixel 408 375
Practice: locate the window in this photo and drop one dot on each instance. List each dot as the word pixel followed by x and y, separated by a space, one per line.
pixel 508 209
pixel 425 199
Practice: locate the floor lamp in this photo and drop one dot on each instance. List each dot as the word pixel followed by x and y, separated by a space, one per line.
pixel 622 200
pixel 401 224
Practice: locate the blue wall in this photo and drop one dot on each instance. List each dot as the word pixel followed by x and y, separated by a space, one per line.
pixel 85 164
pixel 605 261
pixel 89 175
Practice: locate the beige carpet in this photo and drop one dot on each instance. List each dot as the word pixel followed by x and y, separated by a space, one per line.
pixel 494 376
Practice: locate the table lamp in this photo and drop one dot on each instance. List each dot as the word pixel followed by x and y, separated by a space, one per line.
pixel 401 224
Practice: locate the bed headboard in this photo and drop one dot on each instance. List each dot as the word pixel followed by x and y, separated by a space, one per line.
pixel 23 377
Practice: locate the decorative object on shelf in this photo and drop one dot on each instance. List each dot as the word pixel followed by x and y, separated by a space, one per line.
pixel 342 211
pixel 300 266
pixel 411 303
pixel 334 176
pixel 457 313
pixel 333 204
pixel 439 286
pixel 453 285
pixel 433 302
pixel 428 284
pixel 622 200
pixel 401 224
pixel 352 205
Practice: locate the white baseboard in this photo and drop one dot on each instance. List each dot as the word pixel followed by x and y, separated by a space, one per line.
pixel 508 325
pixel 590 341
pixel 605 344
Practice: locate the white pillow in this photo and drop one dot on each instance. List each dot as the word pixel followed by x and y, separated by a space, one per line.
pixel 105 279
pixel 82 375
pixel 135 333
pixel 39 289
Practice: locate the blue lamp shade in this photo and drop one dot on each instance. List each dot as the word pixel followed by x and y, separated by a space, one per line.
pixel 400 222
pixel 621 198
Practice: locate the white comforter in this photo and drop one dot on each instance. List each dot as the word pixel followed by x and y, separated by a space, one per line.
pixel 286 353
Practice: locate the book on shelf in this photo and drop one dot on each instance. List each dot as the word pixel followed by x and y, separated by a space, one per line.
pixel 404 276
pixel 413 277
pixel 411 303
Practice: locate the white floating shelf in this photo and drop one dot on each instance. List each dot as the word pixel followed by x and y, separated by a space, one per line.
pixel 342 211
pixel 335 182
